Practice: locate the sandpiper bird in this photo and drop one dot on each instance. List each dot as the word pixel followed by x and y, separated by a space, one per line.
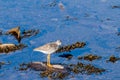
pixel 48 49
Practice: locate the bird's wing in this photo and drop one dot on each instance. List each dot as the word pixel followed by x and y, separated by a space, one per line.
pixel 47 47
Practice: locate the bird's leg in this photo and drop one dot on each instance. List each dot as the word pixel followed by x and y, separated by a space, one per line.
pixel 48 61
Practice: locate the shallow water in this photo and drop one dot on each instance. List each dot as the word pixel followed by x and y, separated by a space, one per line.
pixel 94 22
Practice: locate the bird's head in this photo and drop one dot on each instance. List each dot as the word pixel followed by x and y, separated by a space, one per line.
pixel 58 42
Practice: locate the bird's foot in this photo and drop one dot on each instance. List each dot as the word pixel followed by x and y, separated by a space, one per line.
pixel 49 65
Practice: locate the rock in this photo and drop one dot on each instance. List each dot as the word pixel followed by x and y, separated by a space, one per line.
pixel 9 47
pixel 40 66
pixel 56 72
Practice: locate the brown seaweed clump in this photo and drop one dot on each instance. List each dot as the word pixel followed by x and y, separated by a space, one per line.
pixel 85 69
pixel 20 35
pixel 115 6
pixel 6 48
pixel 68 56
pixel 58 73
pixel 1 32
pixel 89 57
pixel 45 71
pixel 23 67
pixel 113 59
pixel 71 47
pixel 53 74
pixel 29 33
pixel 15 32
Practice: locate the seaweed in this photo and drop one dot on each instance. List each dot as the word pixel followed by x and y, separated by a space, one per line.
pixel 28 33
pixel 7 48
pixel 19 35
pixel 68 56
pixel 23 67
pixel 57 73
pixel 113 59
pixel 45 71
pixel 85 69
pixel 115 6
pixel 68 48
pixel 89 57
